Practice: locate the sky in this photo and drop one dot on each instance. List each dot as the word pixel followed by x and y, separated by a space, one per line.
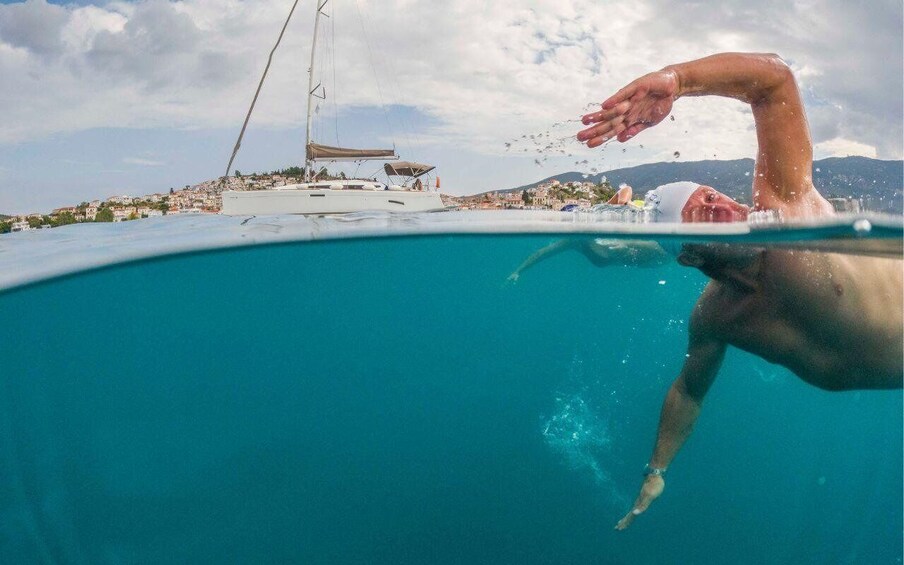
pixel 134 97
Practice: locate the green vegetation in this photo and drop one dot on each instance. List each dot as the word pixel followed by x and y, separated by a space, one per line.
pixel 525 197
pixel 104 215
pixel 63 219
pixel 601 192
pixel 295 172
pixel 6 227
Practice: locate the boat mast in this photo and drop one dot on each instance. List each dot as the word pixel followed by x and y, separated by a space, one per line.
pixel 308 168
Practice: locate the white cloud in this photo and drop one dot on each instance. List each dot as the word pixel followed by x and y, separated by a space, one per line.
pixel 839 147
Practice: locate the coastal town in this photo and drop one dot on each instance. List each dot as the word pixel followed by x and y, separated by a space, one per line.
pixel 206 198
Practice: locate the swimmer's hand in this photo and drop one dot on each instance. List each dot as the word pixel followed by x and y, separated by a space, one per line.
pixel 642 104
pixel 652 487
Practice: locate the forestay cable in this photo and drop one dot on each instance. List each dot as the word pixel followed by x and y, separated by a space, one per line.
pixel 238 142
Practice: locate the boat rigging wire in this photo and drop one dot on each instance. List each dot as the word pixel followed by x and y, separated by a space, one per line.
pixel 238 142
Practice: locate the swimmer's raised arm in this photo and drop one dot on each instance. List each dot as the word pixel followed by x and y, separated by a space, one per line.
pixel 680 410
pixel 785 154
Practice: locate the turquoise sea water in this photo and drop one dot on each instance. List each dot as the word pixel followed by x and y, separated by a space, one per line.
pixel 396 401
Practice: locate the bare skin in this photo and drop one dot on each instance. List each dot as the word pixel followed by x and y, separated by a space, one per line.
pixel 602 252
pixel 834 320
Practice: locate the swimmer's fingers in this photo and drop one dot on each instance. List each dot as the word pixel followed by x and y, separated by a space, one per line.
pixel 650 491
pixel 611 133
pixel 634 513
pixel 631 132
pixel 626 521
pixel 626 93
pixel 601 129
pixel 606 115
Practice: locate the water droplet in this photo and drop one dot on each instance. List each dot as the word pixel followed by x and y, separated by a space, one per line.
pixel 677 154
pixel 747 174
pixel 661 282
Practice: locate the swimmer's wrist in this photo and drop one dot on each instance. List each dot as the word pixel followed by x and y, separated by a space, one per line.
pixel 680 79
pixel 651 470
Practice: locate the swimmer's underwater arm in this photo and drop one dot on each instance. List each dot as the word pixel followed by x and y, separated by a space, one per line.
pixel 602 253
pixel 685 397
pixel 544 253
pixel 680 411
pixel 635 253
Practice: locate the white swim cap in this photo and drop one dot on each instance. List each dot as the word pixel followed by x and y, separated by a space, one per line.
pixel 669 199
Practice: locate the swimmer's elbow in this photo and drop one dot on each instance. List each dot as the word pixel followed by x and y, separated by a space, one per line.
pixel 774 74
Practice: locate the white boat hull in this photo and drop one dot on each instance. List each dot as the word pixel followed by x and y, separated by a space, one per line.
pixel 327 201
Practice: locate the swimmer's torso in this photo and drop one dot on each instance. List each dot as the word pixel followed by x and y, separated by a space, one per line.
pixel 835 320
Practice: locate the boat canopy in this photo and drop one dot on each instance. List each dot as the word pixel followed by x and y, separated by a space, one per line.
pixel 317 152
pixel 407 169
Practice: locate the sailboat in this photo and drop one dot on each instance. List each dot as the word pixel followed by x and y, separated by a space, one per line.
pixel 336 196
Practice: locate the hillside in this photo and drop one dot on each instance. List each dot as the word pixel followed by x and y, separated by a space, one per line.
pixel 878 183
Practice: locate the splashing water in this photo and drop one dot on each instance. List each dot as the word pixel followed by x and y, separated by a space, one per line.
pixel 581 434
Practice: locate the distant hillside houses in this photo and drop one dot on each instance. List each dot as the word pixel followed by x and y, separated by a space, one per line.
pixel 548 195
pixel 203 198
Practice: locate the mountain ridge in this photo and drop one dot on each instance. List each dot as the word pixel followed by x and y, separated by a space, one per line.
pixel 878 182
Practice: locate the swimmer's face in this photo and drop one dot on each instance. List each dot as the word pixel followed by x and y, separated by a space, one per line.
pixel 707 204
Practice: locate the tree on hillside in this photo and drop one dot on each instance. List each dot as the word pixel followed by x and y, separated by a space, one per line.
pixel 63 219
pixel 6 227
pixel 602 192
pixel 293 172
pixel 104 215
pixel 525 197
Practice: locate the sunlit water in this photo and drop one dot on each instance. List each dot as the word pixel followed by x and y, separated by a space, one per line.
pixel 396 401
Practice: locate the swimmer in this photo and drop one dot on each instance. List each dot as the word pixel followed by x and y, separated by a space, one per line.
pixel 834 320
pixel 603 252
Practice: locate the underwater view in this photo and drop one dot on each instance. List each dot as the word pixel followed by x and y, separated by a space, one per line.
pixel 405 400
